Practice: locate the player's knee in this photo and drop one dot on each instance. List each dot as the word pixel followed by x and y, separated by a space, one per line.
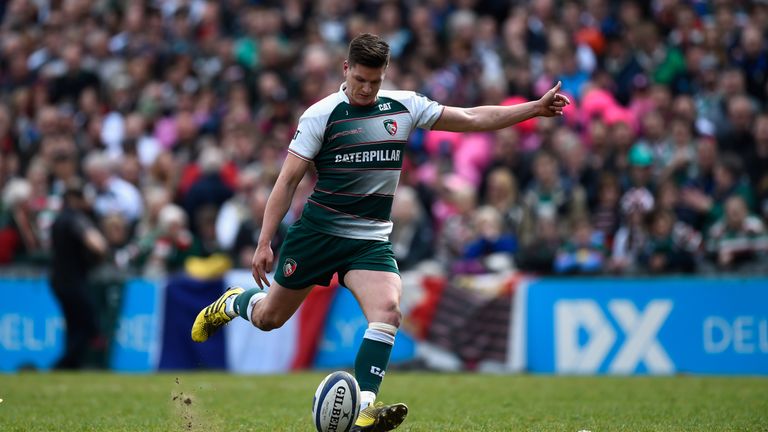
pixel 390 313
pixel 269 321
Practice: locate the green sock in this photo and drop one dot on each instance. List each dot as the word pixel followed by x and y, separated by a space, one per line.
pixel 241 302
pixel 372 359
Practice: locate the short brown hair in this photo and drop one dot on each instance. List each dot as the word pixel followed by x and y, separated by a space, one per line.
pixel 368 50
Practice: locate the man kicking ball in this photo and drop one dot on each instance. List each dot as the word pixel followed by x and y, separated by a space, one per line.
pixel 356 139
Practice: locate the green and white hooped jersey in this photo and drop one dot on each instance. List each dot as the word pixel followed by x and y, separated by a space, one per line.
pixel 358 152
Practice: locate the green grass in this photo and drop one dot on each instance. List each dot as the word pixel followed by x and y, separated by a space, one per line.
pixel 222 402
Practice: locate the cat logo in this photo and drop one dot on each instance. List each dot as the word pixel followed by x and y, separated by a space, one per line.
pixel 391 126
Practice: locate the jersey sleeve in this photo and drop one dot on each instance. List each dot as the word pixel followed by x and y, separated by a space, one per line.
pixel 308 137
pixel 425 111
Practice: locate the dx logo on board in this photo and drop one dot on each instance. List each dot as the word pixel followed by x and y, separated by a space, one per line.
pixel 584 336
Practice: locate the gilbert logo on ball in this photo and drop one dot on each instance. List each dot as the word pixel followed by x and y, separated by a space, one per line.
pixel 289 267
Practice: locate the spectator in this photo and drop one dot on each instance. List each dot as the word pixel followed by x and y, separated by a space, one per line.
pixel 677 160
pixel 248 231
pixel 738 238
pixel 583 253
pixel 138 141
pixel 457 204
pixel 736 135
pixel 751 55
pixel 412 234
pixel 549 196
pixel 575 171
pixel 43 207
pixel 501 193
pixel 155 199
pixel 603 156
pixel 639 183
pixel 622 136
pixel 606 215
pixel 18 231
pixel 77 245
pixel 656 140
pixel 210 189
pixel 165 250
pixel 67 87
pixel 668 198
pixel 164 173
pixel 757 165
pixel 727 183
pixel 508 154
pixel 538 256
pixel 63 170
pixel 236 210
pixel 120 253
pixel 702 177
pixel 490 239
pixel 112 193
pixel 631 236
pixel 205 232
pixel 670 245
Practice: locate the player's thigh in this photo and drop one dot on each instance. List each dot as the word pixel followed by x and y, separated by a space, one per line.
pixel 307 258
pixel 279 304
pixel 378 293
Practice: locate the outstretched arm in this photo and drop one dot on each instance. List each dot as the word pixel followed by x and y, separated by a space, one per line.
pixel 277 205
pixel 493 117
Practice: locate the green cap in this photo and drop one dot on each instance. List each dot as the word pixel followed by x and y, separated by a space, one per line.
pixel 640 155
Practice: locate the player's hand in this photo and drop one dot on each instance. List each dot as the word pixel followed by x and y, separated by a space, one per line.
pixel 552 103
pixel 262 264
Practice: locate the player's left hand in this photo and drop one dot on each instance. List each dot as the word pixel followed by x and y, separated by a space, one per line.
pixel 261 264
pixel 552 103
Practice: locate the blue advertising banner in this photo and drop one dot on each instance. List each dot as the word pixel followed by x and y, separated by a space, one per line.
pixel 32 327
pixel 343 333
pixel 137 339
pixel 652 326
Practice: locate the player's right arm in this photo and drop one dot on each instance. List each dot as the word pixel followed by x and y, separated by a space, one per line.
pixel 490 117
pixel 279 201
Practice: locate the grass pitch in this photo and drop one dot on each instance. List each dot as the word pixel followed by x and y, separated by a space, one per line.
pixel 455 402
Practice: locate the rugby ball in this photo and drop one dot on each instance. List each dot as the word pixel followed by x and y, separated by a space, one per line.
pixel 337 403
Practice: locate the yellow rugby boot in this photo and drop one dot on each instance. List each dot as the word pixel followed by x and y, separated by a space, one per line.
pixel 213 317
pixel 380 417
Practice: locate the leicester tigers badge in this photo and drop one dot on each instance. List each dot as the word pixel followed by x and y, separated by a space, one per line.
pixel 289 267
pixel 391 126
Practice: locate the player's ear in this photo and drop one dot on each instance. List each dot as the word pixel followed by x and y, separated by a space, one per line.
pixel 346 67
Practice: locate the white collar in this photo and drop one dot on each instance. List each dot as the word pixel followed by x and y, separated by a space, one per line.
pixel 342 93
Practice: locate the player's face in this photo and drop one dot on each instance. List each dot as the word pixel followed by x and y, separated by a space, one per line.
pixel 363 83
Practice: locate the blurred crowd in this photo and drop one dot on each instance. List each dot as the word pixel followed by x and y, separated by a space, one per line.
pixel 175 115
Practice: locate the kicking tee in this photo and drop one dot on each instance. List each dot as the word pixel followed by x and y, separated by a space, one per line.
pixel 358 153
